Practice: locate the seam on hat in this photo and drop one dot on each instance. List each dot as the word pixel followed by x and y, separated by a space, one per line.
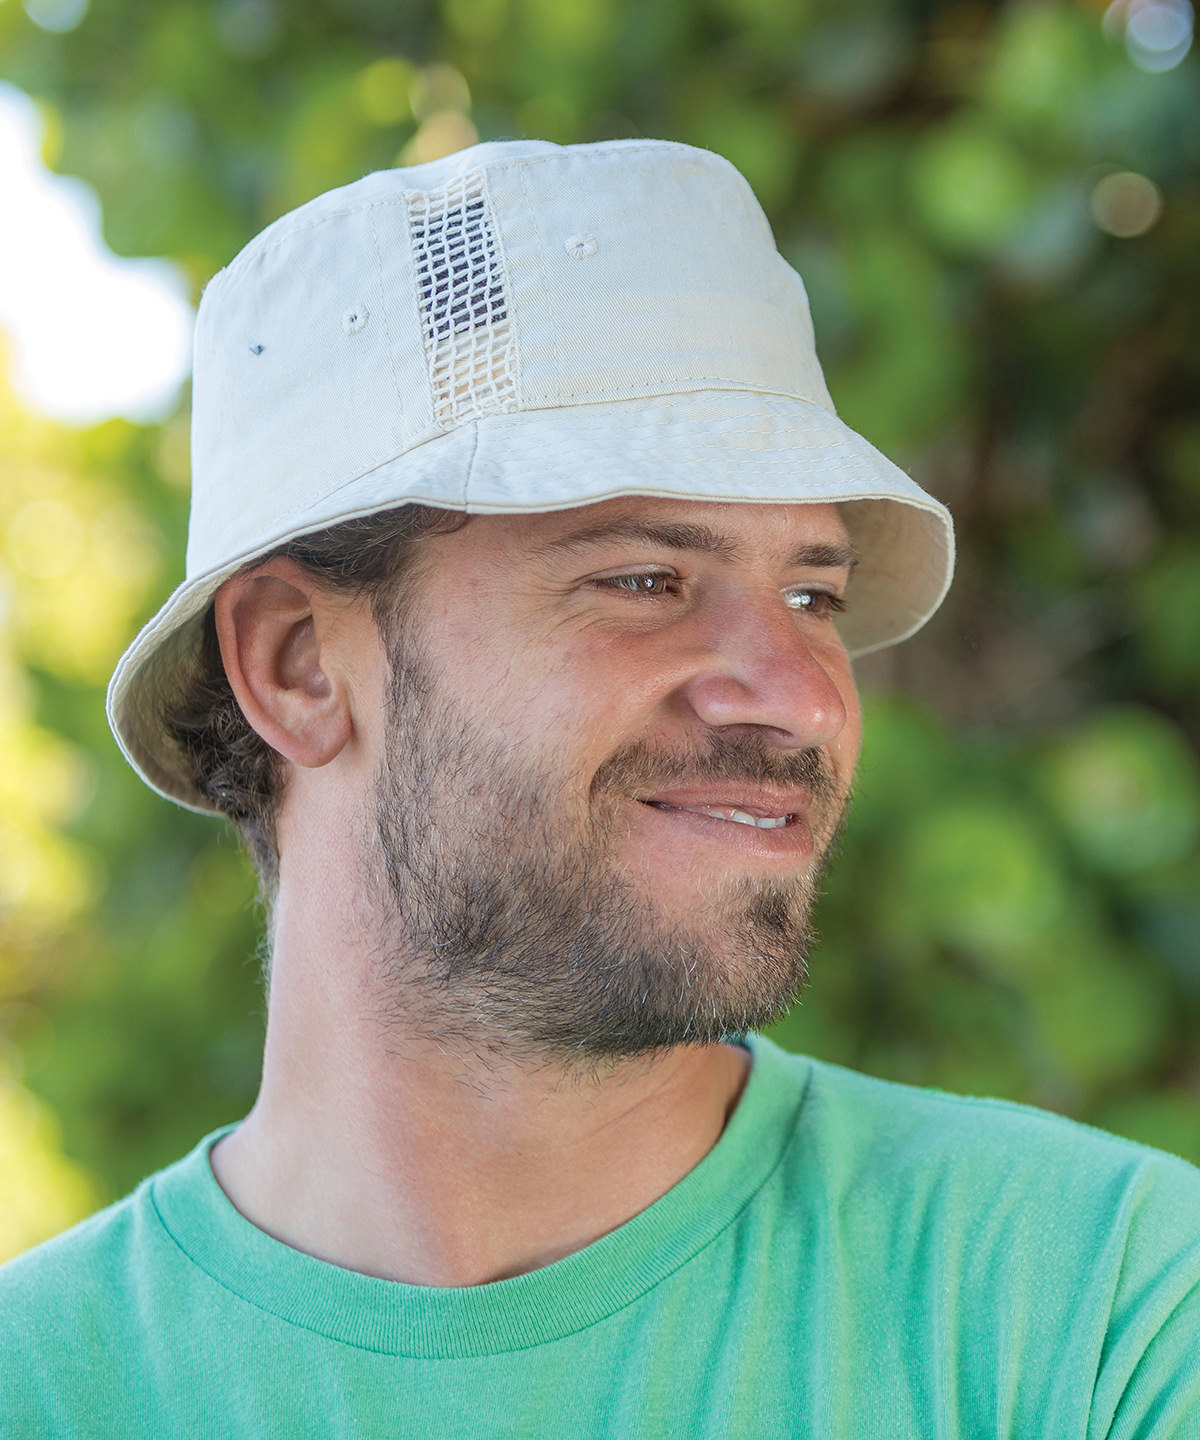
pixel 706 382
pixel 469 467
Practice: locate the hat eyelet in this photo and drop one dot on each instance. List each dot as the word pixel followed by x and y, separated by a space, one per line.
pixel 581 247
pixel 354 320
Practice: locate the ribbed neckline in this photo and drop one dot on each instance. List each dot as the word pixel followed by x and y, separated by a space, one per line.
pixel 515 1314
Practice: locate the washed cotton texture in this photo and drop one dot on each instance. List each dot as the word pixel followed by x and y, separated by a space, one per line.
pixel 853 1258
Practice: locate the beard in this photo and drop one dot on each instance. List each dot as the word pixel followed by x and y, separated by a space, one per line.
pixel 506 922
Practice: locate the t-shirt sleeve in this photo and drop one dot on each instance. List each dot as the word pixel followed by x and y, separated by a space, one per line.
pixel 1148 1384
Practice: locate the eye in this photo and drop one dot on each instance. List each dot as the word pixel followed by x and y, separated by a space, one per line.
pixel 822 603
pixel 651 584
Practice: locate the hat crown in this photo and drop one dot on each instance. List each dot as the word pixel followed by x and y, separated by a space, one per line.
pixel 509 277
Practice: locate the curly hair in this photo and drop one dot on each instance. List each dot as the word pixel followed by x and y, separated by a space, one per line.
pixel 230 764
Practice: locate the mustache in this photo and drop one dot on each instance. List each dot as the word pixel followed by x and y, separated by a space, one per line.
pixel 745 757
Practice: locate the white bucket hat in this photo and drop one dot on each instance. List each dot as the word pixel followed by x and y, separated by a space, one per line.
pixel 520 326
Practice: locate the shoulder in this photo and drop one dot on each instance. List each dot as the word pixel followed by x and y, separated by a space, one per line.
pixel 898 1126
pixel 1006 1240
pixel 53 1289
pixel 99 1269
pixel 880 1157
pixel 59 1306
pixel 1008 1186
pixel 1086 1243
pixel 82 1314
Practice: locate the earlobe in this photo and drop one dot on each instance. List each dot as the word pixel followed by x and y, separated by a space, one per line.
pixel 271 624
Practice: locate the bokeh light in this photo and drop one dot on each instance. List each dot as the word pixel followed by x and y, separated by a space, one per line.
pixel 1157 33
pixel 56 16
pixel 441 100
pixel 1126 204
pixel 93 335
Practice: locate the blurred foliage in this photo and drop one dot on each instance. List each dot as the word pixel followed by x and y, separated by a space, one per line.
pixel 997 213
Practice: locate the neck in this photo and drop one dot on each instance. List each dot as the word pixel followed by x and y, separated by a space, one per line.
pixel 376 1150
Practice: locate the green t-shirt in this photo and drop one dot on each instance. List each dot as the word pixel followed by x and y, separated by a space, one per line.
pixel 853 1259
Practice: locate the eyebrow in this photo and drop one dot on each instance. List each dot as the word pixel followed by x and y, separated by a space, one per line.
pixel 699 539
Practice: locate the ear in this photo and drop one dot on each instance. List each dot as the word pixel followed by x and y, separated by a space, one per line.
pixel 272 624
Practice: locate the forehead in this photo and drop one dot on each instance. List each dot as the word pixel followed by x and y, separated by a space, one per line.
pixel 733 530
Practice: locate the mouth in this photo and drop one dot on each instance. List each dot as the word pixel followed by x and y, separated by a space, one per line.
pixel 758 806
pixel 731 813
pixel 729 825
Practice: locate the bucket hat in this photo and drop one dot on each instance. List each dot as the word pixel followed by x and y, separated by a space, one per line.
pixel 520 326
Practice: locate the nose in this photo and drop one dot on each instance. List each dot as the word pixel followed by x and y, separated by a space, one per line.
pixel 759 664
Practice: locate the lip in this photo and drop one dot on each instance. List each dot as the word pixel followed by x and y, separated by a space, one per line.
pixel 753 800
pixel 675 833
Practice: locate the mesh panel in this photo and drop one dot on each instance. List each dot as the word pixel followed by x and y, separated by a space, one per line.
pixel 468 339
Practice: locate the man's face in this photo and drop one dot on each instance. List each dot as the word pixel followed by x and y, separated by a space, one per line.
pixel 617 746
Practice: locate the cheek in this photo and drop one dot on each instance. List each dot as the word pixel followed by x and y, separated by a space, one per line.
pixel 580 702
pixel 552 700
pixel 611 681
pixel 845 747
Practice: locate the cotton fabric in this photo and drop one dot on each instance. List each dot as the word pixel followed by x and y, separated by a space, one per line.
pixel 853 1258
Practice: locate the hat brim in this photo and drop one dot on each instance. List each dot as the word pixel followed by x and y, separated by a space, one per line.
pixel 719 445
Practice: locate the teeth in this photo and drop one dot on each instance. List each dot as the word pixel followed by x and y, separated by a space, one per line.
pixel 721 812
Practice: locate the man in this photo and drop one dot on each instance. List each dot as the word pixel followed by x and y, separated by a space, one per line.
pixel 527 561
